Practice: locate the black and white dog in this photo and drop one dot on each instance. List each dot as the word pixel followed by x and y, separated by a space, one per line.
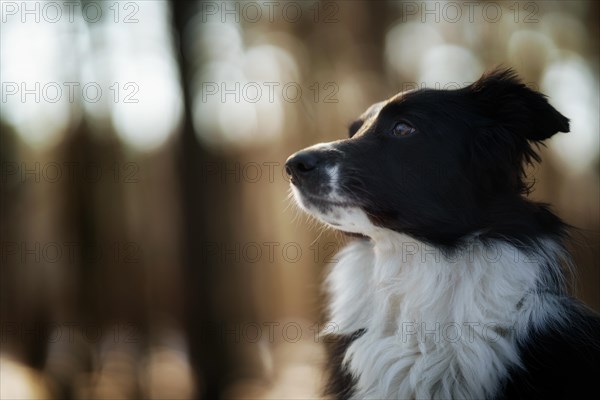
pixel 455 285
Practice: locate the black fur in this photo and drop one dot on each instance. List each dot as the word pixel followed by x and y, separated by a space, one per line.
pixel 559 362
pixel 340 384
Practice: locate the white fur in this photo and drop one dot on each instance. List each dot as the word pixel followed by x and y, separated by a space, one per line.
pixel 436 326
pixel 347 218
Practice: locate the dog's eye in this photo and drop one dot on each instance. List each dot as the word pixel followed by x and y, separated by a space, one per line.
pixel 403 129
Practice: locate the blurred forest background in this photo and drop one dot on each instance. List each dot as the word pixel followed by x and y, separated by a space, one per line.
pixel 148 247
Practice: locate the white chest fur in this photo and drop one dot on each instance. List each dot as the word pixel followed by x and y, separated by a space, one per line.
pixel 436 326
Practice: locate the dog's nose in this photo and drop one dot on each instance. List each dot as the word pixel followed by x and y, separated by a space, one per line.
pixel 301 163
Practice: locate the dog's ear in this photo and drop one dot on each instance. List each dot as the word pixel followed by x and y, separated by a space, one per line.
pixel 512 118
pixel 501 96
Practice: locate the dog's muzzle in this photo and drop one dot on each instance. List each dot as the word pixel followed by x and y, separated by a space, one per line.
pixel 317 178
pixel 311 169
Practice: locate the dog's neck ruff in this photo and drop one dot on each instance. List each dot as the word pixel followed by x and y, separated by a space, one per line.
pixel 438 325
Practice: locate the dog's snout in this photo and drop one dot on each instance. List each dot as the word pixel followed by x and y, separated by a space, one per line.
pixel 301 163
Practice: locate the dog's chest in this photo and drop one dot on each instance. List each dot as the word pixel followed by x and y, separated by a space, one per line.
pixel 433 328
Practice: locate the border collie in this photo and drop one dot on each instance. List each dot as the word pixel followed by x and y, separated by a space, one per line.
pixel 455 286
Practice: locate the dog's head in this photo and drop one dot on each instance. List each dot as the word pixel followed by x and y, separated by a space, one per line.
pixel 428 162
